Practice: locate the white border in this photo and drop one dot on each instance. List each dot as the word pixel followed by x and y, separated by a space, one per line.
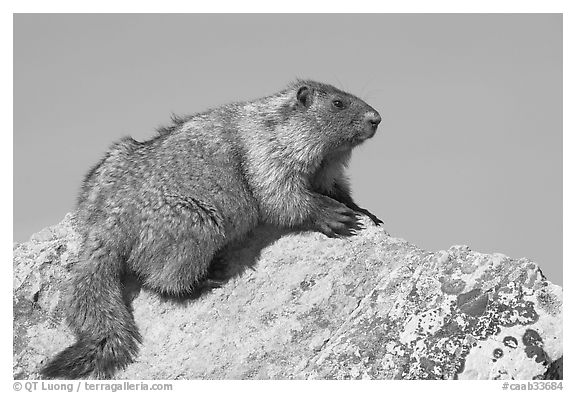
pixel 422 6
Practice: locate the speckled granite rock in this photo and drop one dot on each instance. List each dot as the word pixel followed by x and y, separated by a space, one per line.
pixel 300 305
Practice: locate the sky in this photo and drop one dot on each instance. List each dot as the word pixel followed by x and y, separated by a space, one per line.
pixel 469 150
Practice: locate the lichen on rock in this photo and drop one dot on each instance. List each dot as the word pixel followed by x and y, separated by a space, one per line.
pixel 300 305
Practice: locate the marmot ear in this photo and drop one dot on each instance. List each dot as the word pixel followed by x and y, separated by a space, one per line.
pixel 304 96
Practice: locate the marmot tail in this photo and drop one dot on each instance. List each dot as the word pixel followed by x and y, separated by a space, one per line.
pixel 107 335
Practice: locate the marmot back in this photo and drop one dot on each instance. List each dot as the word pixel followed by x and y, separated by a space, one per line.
pixel 163 208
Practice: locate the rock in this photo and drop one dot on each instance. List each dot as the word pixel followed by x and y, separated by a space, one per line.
pixel 302 306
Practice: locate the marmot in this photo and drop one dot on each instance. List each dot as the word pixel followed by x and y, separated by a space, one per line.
pixel 163 208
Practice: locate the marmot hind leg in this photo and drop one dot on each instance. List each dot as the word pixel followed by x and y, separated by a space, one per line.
pixel 176 248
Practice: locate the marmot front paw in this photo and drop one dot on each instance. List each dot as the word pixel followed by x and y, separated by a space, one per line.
pixel 335 219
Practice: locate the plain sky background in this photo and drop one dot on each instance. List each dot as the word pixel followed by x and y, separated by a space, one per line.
pixel 469 150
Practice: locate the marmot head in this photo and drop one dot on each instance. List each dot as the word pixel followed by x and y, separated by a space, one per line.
pixel 310 121
pixel 343 119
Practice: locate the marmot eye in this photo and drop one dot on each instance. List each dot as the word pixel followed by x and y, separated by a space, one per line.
pixel 338 104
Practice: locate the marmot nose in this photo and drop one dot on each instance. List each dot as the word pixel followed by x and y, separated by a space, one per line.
pixel 374 119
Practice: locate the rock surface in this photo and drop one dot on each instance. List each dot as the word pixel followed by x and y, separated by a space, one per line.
pixel 300 305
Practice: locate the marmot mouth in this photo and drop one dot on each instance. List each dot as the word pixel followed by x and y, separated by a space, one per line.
pixel 365 134
pixel 361 137
pixel 371 133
